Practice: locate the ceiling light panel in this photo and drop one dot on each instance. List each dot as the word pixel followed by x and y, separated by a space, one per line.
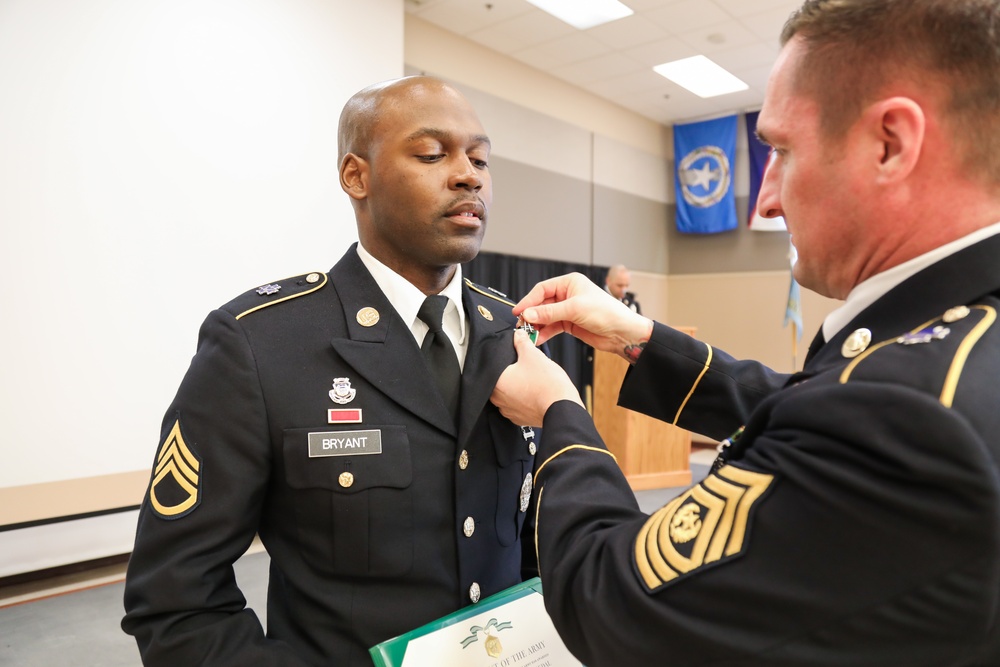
pixel 701 76
pixel 584 14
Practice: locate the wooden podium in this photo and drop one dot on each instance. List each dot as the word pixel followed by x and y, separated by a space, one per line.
pixel 652 454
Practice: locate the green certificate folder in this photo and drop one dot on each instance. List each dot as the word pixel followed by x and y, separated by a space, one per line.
pixel 509 629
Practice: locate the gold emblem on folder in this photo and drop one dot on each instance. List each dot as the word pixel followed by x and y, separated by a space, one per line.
pixel 493 647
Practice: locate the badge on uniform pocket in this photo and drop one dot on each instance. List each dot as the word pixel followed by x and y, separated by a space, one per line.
pixel 344 443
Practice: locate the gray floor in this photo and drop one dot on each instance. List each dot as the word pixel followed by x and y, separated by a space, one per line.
pixel 81 629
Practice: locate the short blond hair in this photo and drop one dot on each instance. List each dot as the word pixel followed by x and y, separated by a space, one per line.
pixel 855 47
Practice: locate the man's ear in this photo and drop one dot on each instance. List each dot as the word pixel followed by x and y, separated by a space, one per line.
pixel 354 173
pixel 899 125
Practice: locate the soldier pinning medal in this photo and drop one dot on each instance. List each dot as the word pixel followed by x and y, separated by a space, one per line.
pixel 853 514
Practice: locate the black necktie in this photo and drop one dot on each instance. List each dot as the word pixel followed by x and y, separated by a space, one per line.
pixel 439 353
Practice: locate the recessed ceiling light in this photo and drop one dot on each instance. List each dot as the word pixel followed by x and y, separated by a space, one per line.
pixel 701 76
pixel 584 14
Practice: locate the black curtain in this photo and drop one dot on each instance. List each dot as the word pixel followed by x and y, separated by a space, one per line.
pixel 515 276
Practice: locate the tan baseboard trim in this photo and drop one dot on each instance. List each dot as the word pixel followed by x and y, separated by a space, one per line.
pixel 71 497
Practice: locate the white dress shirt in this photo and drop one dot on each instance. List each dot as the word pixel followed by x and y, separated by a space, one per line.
pixel 868 292
pixel 407 299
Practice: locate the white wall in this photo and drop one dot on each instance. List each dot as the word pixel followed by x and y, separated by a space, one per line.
pixel 157 157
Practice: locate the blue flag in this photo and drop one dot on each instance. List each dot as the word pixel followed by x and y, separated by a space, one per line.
pixel 759 155
pixel 705 154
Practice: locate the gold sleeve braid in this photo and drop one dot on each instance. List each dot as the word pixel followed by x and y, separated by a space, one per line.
pixel 708 362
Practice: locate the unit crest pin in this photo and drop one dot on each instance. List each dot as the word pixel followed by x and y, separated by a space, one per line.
pixel 924 335
pixel 342 391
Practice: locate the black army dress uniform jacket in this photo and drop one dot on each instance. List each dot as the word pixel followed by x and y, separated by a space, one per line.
pixel 854 522
pixel 363 546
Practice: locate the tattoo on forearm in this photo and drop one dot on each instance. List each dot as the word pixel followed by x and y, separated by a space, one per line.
pixel 632 352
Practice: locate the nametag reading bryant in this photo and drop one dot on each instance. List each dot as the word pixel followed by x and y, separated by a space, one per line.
pixel 345 443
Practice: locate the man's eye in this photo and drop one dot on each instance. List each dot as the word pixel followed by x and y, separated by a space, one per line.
pixel 482 164
pixel 430 158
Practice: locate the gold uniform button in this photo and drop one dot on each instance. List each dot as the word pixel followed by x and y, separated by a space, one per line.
pixel 955 314
pixel 469 527
pixel 474 592
pixel 346 479
pixel 463 460
pixel 312 278
pixel 856 343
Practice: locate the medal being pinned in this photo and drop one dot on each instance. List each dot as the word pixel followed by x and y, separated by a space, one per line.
pixel 528 329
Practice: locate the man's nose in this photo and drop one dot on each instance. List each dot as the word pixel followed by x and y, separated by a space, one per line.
pixel 768 200
pixel 466 176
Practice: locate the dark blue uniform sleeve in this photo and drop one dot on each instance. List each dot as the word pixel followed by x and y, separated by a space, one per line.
pixel 200 514
pixel 847 527
pixel 684 381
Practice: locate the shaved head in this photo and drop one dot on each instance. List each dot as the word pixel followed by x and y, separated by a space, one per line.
pixel 414 159
pixel 618 281
pixel 366 108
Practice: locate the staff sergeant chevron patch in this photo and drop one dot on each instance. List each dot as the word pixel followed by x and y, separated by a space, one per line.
pixel 702 526
pixel 176 487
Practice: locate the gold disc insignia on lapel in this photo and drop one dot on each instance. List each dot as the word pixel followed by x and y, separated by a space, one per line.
pixel 856 343
pixel 485 313
pixel 367 316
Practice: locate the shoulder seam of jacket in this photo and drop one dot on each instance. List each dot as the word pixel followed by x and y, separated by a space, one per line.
pixel 475 288
pixel 961 356
pixel 538 471
pixel 312 289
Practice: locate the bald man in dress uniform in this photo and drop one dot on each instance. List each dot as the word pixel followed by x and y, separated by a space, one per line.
pixel 310 417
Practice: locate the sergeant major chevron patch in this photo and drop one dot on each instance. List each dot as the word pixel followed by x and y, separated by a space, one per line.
pixel 702 526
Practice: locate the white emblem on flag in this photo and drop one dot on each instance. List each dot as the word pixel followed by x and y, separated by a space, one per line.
pixel 696 181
